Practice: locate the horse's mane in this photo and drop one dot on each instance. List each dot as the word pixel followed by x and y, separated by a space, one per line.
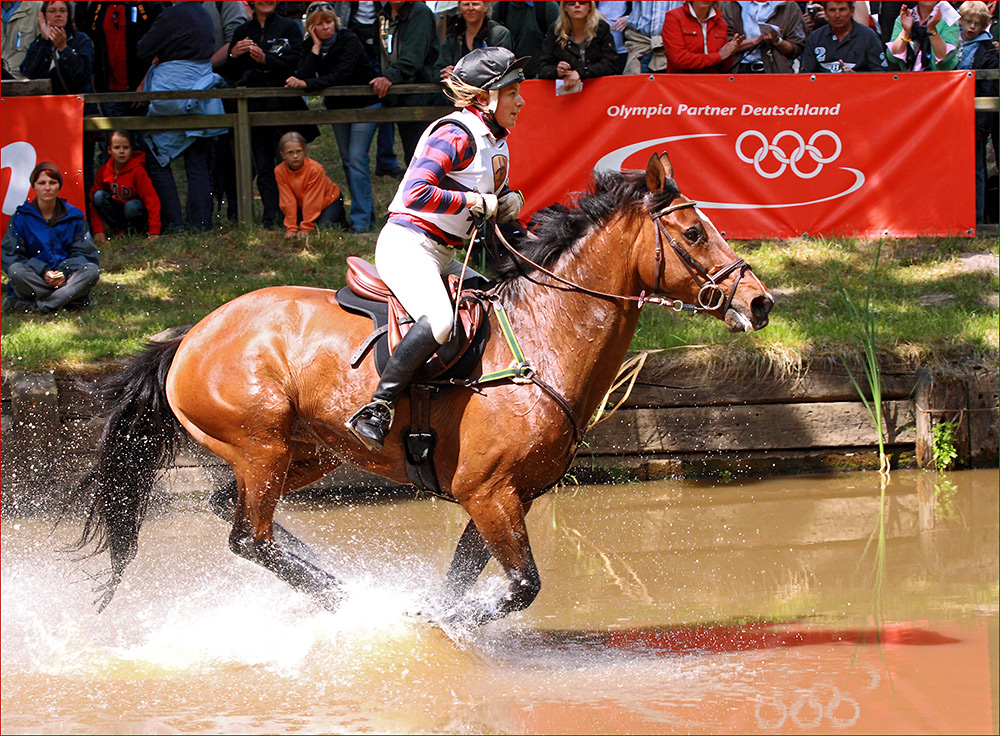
pixel 558 228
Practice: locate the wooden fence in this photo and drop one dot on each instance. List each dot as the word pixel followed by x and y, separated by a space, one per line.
pixel 243 120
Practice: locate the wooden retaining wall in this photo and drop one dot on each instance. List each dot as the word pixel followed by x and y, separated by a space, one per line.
pixel 675 422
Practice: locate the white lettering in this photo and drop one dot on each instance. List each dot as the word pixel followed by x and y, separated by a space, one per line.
pixel 20 158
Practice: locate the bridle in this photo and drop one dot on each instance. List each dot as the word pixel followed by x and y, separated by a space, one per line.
pixel 711 296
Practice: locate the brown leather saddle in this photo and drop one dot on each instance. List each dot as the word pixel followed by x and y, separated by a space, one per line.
pixel 367 294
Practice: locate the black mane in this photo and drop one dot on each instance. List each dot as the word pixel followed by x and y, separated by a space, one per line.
pixel 558 227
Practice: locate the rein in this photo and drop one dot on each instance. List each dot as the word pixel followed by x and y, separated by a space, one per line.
pixel 710 297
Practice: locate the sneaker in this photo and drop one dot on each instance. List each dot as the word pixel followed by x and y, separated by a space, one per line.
pixel 79 305
pixel 17 305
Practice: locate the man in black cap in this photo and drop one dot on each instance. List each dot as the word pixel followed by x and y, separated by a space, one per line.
pixel 459 169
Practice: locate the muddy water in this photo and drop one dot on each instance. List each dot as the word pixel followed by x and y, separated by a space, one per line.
pixel 669 607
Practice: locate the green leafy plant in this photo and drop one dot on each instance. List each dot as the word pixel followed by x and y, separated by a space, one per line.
pixel 943 442
pixel 944 499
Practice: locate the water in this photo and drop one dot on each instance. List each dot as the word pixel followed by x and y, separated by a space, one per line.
pixel 668 607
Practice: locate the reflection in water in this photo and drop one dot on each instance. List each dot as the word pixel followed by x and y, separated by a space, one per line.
pixel 666 607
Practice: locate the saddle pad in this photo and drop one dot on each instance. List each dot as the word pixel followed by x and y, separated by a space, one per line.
pixel 378 312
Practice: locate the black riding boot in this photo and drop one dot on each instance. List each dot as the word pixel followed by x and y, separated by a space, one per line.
pixel 371 423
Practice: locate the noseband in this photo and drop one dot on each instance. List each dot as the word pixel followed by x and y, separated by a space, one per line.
pixel 710 296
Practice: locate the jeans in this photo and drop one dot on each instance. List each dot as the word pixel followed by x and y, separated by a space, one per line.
pixel 409 136
pixel 117 215
pixel 264 146
pixel 332 216
pixel 197 166
pixel 385 157
pixel 354 141
pixel 31 287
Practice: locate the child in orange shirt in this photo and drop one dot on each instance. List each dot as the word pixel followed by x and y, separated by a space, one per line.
pixel 307 197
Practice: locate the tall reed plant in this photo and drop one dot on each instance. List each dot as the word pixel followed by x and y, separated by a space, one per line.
pixel 864 319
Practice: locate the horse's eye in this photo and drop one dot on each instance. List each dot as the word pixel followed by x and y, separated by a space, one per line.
pixel 693 234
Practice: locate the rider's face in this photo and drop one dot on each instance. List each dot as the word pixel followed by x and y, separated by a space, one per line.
pixel 509 105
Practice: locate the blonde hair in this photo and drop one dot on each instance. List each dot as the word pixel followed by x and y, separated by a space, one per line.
pixel 461 93
pixel 975 12
pixel 322 14
pixel 564 30
pixel 293 136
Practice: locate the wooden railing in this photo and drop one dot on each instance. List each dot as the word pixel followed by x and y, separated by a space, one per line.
pixel 243 120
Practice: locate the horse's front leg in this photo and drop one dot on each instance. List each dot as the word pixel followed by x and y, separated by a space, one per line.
pixel 497 528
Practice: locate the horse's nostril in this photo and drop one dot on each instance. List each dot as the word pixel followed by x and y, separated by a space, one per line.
pixel 761 308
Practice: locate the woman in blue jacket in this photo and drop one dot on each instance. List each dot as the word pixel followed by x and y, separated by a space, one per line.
pixel 47 252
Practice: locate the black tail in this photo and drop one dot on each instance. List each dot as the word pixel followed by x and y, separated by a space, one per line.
pixel 137 441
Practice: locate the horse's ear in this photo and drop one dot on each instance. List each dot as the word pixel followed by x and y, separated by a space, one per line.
pixel 658 170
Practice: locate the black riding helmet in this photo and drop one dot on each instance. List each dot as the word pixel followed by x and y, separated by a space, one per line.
pixel 490 68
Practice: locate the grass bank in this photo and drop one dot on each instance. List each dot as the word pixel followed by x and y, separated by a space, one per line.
pixel 935 300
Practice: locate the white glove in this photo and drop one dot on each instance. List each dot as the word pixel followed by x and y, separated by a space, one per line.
pixel 486 206
pixel 509 206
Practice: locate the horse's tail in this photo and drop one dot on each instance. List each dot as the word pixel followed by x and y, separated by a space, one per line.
pixel 138 439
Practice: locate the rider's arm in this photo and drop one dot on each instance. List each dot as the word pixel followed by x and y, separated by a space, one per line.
pixel 447 149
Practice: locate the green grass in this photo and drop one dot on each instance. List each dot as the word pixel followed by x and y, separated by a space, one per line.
pixel 149 286
pixel 810 318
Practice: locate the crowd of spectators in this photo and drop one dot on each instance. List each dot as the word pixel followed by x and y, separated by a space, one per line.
pixel 125 46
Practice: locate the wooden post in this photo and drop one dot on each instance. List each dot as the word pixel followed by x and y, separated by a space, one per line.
pixel 984 429
pixel 244 164
pixel 940 400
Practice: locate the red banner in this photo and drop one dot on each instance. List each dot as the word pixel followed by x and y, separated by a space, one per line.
pixel 38 129
pixel 768 156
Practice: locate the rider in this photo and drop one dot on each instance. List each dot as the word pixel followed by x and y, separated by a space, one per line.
pixel 459 169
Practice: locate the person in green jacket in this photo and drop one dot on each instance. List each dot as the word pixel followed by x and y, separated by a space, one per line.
pixel 472 28
pixel 921 42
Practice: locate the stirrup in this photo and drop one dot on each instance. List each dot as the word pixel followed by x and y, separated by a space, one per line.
pixel 370 425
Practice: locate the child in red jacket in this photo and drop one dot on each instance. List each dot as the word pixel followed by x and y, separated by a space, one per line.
pixel 122 194
pixel 306 195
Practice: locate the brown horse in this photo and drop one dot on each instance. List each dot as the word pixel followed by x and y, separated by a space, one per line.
pixel 265 383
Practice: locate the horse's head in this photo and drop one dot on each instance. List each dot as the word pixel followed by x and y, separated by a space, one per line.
pixel 688 259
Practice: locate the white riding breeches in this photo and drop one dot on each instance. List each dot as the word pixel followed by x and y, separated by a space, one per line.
pixel 412 265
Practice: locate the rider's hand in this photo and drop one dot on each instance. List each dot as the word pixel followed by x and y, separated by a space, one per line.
pixel 485 205
pixel 509 206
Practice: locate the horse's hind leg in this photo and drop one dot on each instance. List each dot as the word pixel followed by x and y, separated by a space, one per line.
pixel 467 565
pixel 223 504
pixel 261 482
pixel 497 528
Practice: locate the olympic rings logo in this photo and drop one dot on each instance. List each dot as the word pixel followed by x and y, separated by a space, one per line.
pixel 788 160
pixel 810 709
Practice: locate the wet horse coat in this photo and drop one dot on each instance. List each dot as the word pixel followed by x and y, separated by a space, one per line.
pixel 264 382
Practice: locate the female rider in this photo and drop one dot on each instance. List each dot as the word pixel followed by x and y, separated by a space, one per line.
pixel 459 169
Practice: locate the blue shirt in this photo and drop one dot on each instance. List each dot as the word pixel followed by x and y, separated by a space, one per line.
pixel 969 49
pixel 5 13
